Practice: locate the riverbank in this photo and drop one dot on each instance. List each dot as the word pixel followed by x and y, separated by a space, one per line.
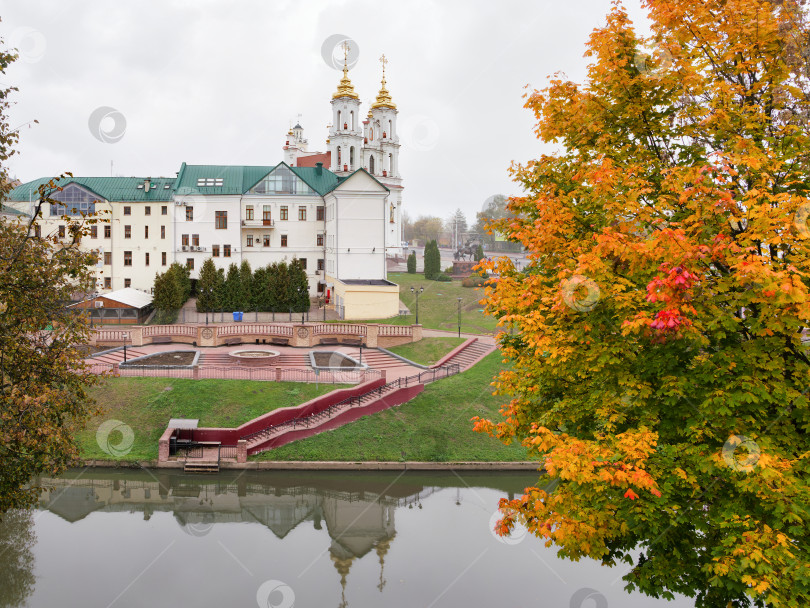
pixel 327 465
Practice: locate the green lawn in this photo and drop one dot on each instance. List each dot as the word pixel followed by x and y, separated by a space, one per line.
pixel 435 426
pixel 428 350
pixel 146 404
pixel 438 305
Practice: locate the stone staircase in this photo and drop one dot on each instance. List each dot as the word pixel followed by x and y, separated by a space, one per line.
pixel 471 354
pixel 116 356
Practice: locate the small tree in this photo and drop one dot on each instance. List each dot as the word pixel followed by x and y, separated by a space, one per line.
pixel 479 253
pixel 165 298
pixel 206 286
pixel 412 263
pixel 181 277
pixel 233 288
pixel 433 262
pixel 299 287
pixel 278 287
pixel 260 296
pixel 245 286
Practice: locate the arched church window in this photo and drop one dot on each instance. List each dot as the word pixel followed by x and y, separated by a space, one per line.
pixel 338 158
pixel 371 134
pixel 352 117
pixel 371 165
pixel 351 158
pixel 391 164
pixel 390 128
pixel 338 123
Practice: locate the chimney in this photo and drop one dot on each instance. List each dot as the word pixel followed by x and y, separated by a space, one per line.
pixel 147 184
pixel 318 168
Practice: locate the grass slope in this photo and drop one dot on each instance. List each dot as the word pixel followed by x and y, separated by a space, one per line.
pixel 146 404
pixel 428 350
pixel 435 426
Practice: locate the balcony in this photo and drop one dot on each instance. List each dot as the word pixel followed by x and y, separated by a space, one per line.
pixel 258 223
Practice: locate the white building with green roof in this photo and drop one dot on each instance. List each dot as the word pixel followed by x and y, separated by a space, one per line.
pixel 342 223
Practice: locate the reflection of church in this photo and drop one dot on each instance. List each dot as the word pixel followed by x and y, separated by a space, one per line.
pixel 358 521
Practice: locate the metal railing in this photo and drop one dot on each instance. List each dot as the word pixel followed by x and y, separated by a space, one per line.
pixel 374 394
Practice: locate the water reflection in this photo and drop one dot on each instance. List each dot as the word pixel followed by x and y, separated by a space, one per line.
pixel 113 538
pixel 17 539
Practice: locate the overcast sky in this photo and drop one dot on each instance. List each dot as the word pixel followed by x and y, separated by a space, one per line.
pixel 216 82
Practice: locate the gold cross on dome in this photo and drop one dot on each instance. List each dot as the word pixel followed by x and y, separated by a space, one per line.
pixel 383 61
pixel 345 46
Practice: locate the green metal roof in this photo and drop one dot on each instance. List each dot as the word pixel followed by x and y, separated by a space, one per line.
pixel 236 179
pixel 123 189
pixel 229 179
pixel 320 183
pixel 6 210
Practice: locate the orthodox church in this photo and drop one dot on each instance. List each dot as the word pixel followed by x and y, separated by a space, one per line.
pixel 337 211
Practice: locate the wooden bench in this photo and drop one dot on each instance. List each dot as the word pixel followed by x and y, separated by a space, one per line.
pixel 162 340
pixel 280 341
pixel 232 341
pixel 328 341
pixel 352 342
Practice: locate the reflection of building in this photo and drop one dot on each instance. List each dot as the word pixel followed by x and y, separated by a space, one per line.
pixel 358 521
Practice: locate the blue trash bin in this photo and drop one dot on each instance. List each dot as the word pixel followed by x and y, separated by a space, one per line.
pixel 237 316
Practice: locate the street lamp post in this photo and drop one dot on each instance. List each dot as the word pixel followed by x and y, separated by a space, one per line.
pixel 417 292
pixel 459 317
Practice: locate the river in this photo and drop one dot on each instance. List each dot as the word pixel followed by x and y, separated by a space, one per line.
pixel 114 538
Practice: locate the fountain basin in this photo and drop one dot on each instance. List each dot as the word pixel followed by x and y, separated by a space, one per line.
pixel 255 357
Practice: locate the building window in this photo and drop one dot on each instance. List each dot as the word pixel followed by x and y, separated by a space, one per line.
pixel 319 213
pixel 210 182
pixel 189 214
pixel 147 258
pixel 107 283
pixel 163 258
pixel 215 251
pixel 74 201
pixel 283 240
pixel 195 240
pixel 127 282
pixel 320 264
pixel 61 231
pixel 146 232
pixel 163 232
pixel 226 251
pixel 267 218
pixel 127 210
pixel 107 231
pixel 93 231
pixel 108 258
pixel 303 263
pixel 190 263
pixel 127 258
pixel 319 240
pixel 249 241
pixel 127 232
pixel 284 212
pixel 147 210
pixel 266 240
pixel 221 220
pixel 249 212
pixel 184 240
pixel 164 210
pixel 302 214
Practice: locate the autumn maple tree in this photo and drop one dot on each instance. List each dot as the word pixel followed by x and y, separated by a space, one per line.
pixel 43 383
pixel 658 372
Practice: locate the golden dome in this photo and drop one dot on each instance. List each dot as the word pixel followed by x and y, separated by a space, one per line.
pixel 384 97
pixel 345 87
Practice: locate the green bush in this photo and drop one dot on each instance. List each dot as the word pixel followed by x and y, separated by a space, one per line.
pixel 433 261
pixel 443 278
pixel 448 270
